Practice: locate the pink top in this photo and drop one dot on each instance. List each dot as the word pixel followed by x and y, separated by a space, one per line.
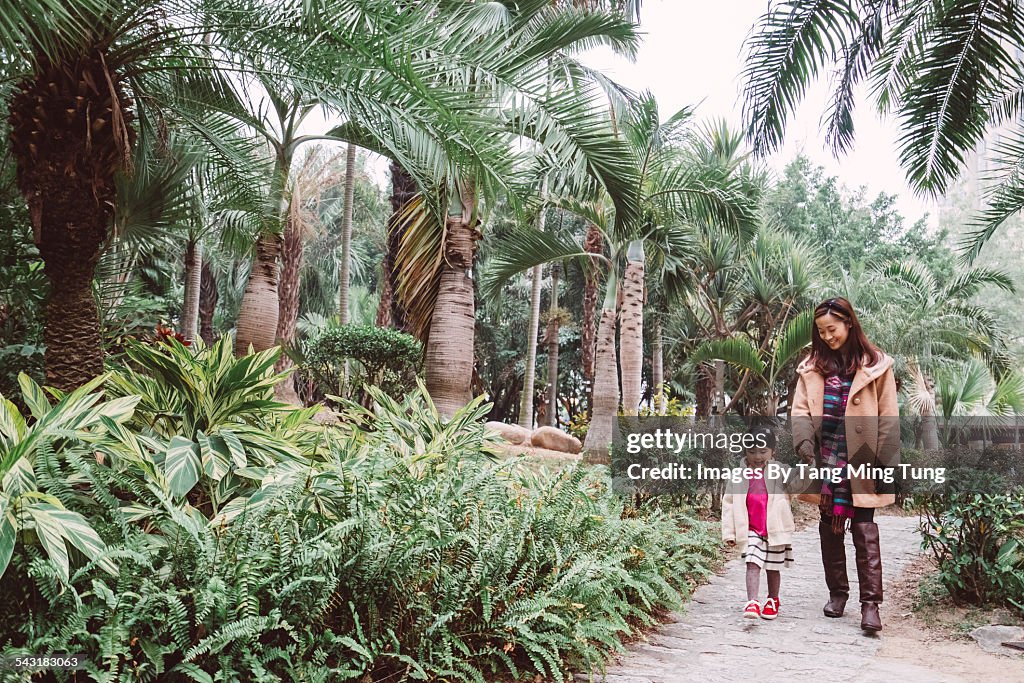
pixel 757 505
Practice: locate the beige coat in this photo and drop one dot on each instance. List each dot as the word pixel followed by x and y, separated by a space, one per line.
pixel 872 424
pixel 736 526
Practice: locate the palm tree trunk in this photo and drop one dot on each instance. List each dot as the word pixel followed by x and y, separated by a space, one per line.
pixel 193 281
pixel 530 374
pixel 260 310
pixel 403 188
pixel 70 135
pixel 592 244
pixel 929 425
pixel 346 233
pixel 658 369
pixel 631 328
pixel 551 334
pixel 606 382
pixel 258 314
pixel 718 404
pixel 705 390
pixel 288 288
pixel 448 357
pixel 208 296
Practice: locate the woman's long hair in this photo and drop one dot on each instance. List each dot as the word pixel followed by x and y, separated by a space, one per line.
pixel 857 350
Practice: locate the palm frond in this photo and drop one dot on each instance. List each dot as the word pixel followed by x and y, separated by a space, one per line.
pixel 791 44
pixel 525 249
pixel 967 64
pixel 418 262
pixel 737 352
pixel 794 338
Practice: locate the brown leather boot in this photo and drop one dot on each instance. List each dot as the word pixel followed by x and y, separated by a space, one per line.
pixel 869 573
pixel 833 559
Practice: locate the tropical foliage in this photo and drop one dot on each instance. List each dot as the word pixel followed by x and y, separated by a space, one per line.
pixel 396 548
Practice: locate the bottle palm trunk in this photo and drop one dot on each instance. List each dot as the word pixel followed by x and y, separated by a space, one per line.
pixel 259 312
pixel 448 357
pixel 631 328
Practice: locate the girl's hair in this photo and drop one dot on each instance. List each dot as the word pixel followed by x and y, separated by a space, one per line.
pixel 766 434
pixel 851 355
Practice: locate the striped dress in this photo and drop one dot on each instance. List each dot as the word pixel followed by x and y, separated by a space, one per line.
pixel 758 551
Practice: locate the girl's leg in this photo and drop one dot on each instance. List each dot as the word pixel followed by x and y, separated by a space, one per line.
pixel 753 580
pixel 774 580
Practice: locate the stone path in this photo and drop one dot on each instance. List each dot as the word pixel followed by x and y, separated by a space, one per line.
pixel 711 642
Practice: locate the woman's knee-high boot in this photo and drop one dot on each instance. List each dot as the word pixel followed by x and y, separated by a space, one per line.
pixel 869 573
pixel 833 558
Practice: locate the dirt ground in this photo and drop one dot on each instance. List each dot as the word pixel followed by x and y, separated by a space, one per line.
pixel 937 634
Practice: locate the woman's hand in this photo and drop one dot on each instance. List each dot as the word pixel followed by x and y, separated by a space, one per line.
pixel 806 451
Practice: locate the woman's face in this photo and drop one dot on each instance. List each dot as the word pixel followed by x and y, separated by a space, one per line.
pixel 832 330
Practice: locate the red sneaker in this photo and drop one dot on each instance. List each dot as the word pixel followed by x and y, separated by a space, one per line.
pixel 770 609
pixel 752 610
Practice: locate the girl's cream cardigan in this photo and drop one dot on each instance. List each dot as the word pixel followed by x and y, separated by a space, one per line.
pixel 735 525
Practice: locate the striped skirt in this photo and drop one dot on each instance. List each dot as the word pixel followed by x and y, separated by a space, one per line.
pixel 770 557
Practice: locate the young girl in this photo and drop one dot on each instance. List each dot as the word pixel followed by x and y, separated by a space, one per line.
pixel 757 509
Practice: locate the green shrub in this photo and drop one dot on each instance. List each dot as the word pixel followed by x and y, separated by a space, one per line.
pixel 380 356
pixel 977 540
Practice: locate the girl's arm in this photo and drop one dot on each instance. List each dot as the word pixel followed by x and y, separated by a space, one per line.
pixel 728 523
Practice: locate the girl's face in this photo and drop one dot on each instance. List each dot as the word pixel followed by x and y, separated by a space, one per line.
pixel 757 457
pixel 832 330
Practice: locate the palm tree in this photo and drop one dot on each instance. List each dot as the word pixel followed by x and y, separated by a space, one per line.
pixel 763 362
pixel 537 92
pixel 530 373
pixel 950 72
pixel 94 77
pixel 969 393
pixel 932 327
pixel 677 193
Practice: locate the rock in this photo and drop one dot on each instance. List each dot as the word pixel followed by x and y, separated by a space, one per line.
pixel 991 638
pixel 326 416
pixel 555 440
pixel 514 434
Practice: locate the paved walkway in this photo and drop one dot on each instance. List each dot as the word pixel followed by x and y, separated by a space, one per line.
pixel 711 642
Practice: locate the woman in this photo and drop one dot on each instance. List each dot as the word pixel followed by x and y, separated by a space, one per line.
pixel 845 413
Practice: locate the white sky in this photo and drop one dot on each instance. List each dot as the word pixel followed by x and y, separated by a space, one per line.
pixel 691 53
